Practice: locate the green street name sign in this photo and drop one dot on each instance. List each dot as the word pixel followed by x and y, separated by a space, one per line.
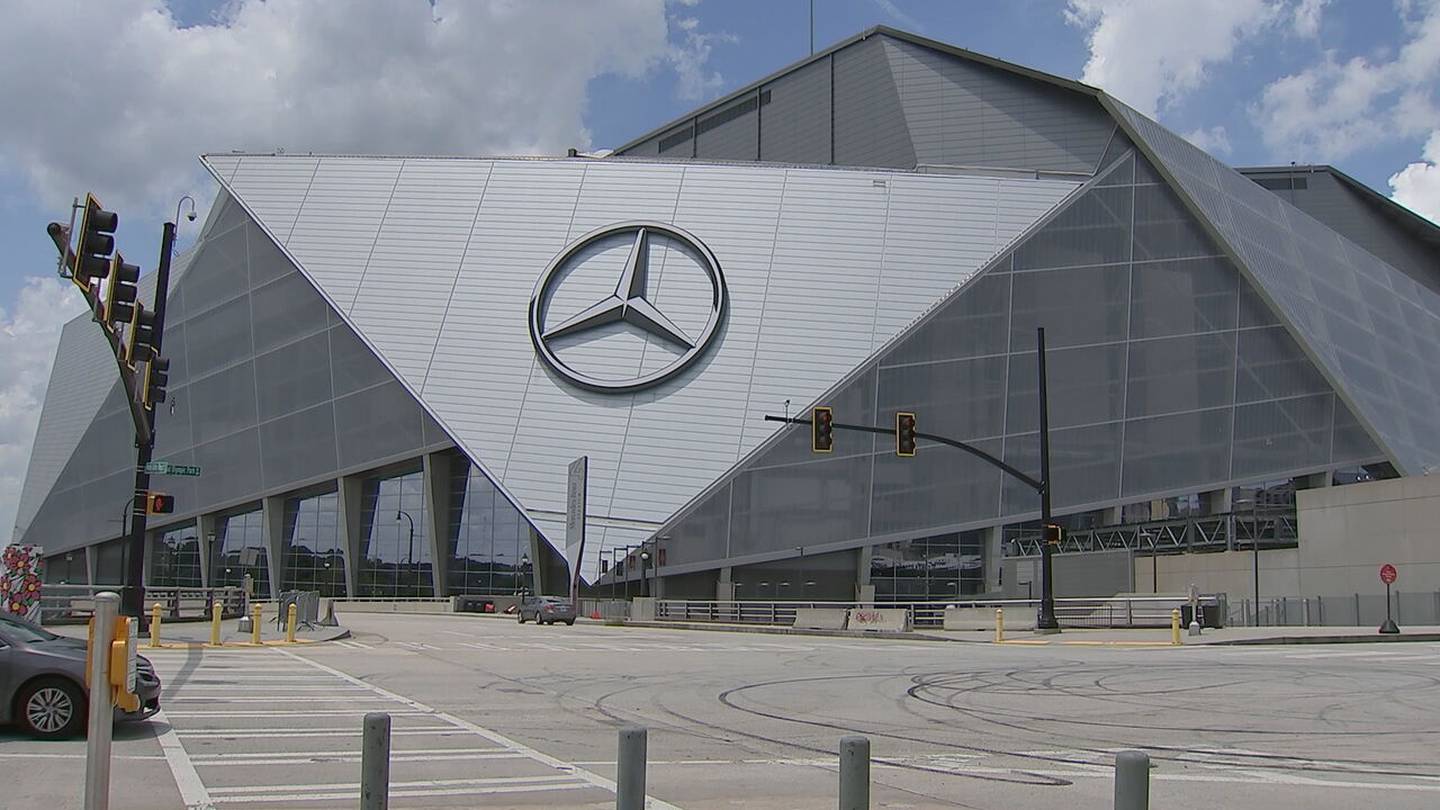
pixel 166 468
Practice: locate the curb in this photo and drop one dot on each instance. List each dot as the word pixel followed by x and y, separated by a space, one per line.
pixel 1371 639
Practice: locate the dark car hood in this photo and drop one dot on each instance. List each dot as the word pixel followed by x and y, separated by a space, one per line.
pixel 68 648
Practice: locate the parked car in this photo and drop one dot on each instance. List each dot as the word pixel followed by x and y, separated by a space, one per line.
pixel 42 682
pixel 546 610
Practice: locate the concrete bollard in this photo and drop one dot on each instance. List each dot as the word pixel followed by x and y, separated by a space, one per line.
pixel 854 773
pixel 255 624
pixel 290 624
pixel 155 624
pixel 999 625
pixel 1194 629
pixel 630 769
pixel 1175 627
pixel 215 624
pixel 375 762
pixel 1132 780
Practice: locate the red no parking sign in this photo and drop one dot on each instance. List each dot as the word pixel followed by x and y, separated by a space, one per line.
pixel 1387 574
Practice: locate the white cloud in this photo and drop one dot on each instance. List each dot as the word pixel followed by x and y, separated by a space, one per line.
pixel 1149 53
pixel 1214 140
pixel 130 99
pixel 690 56
pixel 1305 18
pixel 1334 108
pixel 27 348
pixel 894 12
pixel 1417 186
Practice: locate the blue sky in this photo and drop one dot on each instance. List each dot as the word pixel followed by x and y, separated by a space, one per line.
pixel 1348 82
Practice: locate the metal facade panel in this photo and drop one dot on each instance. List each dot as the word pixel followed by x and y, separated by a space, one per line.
pixel 1333 295
pixel 416 258
pixel 281 183
pixel 729 134
pixel 338 223
pixel 869 120
pixel 795 124
pixel 801 250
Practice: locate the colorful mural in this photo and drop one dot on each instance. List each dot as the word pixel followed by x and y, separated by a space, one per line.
pixel 20 572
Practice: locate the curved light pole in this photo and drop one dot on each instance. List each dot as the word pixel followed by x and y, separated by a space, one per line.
pixel 524 575
pixel 410 554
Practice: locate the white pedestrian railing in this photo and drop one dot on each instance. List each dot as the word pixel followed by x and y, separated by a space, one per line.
pixel 74 603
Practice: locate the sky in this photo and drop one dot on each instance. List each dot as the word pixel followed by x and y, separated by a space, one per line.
pixel 120 97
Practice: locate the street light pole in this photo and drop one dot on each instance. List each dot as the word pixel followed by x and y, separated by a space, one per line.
pixel 410 554
pixel 1046 619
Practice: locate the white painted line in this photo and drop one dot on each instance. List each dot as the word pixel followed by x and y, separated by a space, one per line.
pixel 250 733
pixel 481 646
pixel 354 753
pixel 475 791
pixel 320 713
pixel 457 633
pixel 494 736
pixel 182 768
pixel 50 755
pixel 419 784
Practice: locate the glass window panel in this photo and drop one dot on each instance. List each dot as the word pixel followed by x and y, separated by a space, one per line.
pixel 314 556
pixel 962 399
pixel 267 261
pixel 217 275
pixel 1183 297
pixel 704 533
pixel 239 549
pixel 1085 385
pixel 1084 466
pixel 377 423
pixel 218 338
pixel 293 378
pixel 1164 229
pixel 1095 229
pixel 394 555
pixel 972 324
pixel 1176 451
pixel 223 403
pixel 286 309
pixel 1077 306
pixel 939 486
pixel 298 446
pixel 1282 436
pixel 175 558
pixel 853 404
pixel 800 504
pixel 231 468
pixel 1272 366
pixel 1180 374
pixel 353 365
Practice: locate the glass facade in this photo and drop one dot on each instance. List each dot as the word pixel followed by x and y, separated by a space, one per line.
pixel 239 549
pixel 486 537
pixel 110 562
pixel 175 558
pixel 1166 377
pixel 816 577
pixel 314 552
pixel 394 554
pixel 946 566
pixel 66 569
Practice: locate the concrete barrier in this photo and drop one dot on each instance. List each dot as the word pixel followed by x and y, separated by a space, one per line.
pixel 1016 618
pixel 343 606
pixel 820 618
pixel 895 619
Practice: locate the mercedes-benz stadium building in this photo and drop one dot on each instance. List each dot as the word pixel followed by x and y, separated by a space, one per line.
pixel 384 365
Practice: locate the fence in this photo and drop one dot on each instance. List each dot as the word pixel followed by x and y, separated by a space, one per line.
pixel 1342 610
pixel 60 604
pixel 1127 611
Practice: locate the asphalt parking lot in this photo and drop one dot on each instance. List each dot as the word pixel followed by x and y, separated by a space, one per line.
pixel 489 713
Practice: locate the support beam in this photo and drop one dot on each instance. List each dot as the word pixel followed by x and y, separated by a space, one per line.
pixel 92 555
pixel 436 478
pixel 205 531
pixel 724 586
pixel 994 556
pixel 348 503
pixel 273 530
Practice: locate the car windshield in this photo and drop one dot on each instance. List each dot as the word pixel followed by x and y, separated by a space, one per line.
pixel 24 632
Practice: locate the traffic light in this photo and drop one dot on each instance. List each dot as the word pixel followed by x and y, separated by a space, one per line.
pixel 157 376
pixel 95 243
pixel 1053 533
pixel 120 292
pixel 822 429
pixel 158 503
pixel 905 434
pixel 140 339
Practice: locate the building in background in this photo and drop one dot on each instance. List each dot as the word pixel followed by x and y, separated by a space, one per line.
pixel 384 365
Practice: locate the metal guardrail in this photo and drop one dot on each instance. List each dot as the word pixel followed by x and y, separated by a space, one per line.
pixel 1120 611
pixel 1338 610
pixel 60 604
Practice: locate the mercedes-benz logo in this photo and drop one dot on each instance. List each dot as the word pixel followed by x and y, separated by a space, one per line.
pixel 628 304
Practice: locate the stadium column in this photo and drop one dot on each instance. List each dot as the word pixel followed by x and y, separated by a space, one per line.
pixel 437 510
pixel 994 556
pixel 864 591
pixel 92 551
pixel 273 513
pixel 205 529
pixel 724 586
pixel 349 501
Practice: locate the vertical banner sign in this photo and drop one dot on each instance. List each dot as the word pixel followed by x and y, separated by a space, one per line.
pixel 575 520
pixel 20 574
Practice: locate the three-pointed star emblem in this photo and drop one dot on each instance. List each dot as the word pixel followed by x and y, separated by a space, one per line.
pixel 627 304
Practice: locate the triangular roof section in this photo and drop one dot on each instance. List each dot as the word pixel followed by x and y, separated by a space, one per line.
pixel 1371 329
pixel 434 261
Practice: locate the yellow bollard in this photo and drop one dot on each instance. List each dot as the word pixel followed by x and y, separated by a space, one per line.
pixel 155 624
pixel 290 624
pixel 255 625
pixel 215 624
pixel 1175 627
pixel 999 625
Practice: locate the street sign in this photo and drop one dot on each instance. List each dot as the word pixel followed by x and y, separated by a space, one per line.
pixel 1387 574
pixel 166 468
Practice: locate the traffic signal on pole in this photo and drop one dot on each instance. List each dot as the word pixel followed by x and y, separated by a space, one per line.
pixel 140 338
pixel 905 434
pixel 159 503
pixel 1053 533
pixel 822 429
pixel 95 243
pixel 157 376
pixel 120 292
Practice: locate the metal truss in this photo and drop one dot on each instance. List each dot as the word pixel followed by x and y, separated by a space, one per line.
pixel 1201 533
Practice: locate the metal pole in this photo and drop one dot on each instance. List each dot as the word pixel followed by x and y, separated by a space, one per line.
pixel 1046 619
pixel 630 770
pixel 101 716
pixel 375 762
pixel 1255 560
pixel 812 46
pixel 1132 780
pixel 854 773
